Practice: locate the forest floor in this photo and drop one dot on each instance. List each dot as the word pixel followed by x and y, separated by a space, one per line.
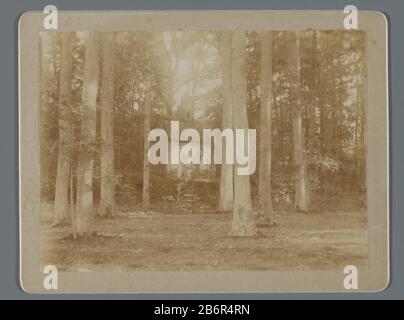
pixel 182 239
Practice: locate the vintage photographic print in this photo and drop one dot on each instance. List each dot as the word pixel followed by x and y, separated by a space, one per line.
pixel 203 151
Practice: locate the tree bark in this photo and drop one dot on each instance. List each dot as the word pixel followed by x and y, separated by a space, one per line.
pixel 171 92
pixel 264 182
pixel 363 132
pixel 47 109
pixel 363 106
pixel 146 164
pixel 226 173
pixel 322 103
pixel 107 126
pixel 301 181
pixel 84 215
pixel 65 132
pixel 358 133
pixel 243 218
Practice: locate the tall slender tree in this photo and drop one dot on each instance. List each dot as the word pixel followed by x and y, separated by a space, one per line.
pixel 322 95
pixel 146 164
pixel 362 106
pixel 48 90
pixel 226 173
pixel 107 125
pixel 299 152
pixel 243 218
pixel 84 214
pixel 264 186
pixel 65 132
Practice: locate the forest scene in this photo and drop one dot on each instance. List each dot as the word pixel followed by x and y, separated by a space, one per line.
pixel 106 207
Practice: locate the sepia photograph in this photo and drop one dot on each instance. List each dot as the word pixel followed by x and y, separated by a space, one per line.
pixel 204 150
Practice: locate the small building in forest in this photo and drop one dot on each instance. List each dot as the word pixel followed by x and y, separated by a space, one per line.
pixel 185 115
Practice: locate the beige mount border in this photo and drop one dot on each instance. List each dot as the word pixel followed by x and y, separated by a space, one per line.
pixel 373 278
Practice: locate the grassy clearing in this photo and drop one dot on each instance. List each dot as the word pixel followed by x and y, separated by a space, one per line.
pixel 199 240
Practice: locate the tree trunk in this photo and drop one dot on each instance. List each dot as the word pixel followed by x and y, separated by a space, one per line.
pixel 363 105
pixel 107 126
pixel 243 218
pixel 282 117
pixel 264 182
pixel 192 109
pixel 47 109
pixel 84 215
pixel 226 173
pixel 301 192
pixel 358 128
pixel 301 181
pixel 315 113
pixel 322 102
pixel 363 132
pixel 171 92
pixel 146 164
pixel 65 132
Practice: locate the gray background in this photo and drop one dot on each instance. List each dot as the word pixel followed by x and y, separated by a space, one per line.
pixel 9 14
